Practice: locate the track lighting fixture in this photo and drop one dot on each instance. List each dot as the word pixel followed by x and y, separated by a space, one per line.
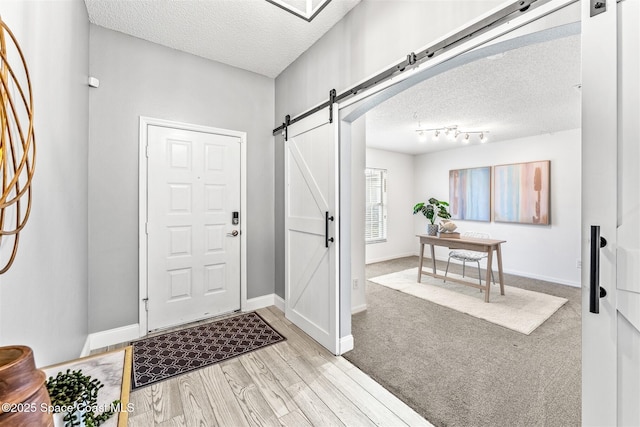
pixel 451 132
pixel 422 137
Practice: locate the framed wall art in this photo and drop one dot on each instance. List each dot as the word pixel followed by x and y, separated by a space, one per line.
pixel 521 193
pixel 470 194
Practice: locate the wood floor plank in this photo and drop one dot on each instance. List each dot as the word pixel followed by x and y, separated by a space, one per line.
pixel 298 345
pixel 388 399
pixel 286 350
pixel 255 408
pixel 312 406
pixel 368 404
pixel 306 400
pixel 166 400
pixel 346 411
pixel 304 344
pixel 343 363
pixel 142 401
pixel 278 313
pixel 279 367
pixel 195 402
pixel 273 392
pixel 225 407
pixel 174 422
pixel 267 314
pixel 295 419
pixel 143 420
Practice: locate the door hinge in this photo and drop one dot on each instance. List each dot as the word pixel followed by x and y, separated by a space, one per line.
pixel 146 228
pixel 146 151
pixel 146 304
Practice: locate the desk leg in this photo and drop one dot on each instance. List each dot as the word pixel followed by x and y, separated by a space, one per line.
pixel 421 261
pixel 433 258
pixel 500 275
pixel 488 278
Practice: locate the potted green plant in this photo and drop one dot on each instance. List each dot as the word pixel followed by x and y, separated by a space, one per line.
pixel 74 396
pixel 432 210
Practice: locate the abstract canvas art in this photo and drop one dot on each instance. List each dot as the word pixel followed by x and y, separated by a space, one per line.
pixel 470 194
pixel 521 193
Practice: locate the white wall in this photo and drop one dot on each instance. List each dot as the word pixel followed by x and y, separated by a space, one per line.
pixel 43 297
pixel 544 252
pixel 401 239
pixel 139 78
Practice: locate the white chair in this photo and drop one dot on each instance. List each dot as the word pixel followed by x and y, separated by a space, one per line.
pixel 464 256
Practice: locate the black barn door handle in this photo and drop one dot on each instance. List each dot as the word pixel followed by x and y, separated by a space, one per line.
pixel 327 239
pixel 595 291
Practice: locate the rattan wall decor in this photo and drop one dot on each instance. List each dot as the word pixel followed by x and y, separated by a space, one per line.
pixel 17 145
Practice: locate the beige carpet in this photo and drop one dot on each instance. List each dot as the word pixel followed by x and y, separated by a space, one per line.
pixel 519 310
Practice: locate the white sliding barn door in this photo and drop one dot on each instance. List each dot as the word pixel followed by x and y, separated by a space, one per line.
pixel 611 200
pixel 193 245
pixel 311 227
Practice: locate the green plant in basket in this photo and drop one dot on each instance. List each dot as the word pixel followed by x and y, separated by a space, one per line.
pixel 76 395
pixel 433 210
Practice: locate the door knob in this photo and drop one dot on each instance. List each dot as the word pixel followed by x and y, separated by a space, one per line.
pixel 234 233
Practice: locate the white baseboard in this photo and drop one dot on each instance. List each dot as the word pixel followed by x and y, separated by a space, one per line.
pixel 279 302
pixel 87 347
pixel 264 301
pixel 389 258
pixel 358 308
pixel 545 278
pixel 113 336
pixel 259 302
pixel 346 344
pixel 527 274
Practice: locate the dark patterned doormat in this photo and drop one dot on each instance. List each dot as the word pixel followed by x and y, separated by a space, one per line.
pixel 164 356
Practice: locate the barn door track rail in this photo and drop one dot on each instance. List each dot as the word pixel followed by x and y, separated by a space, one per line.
pixel 412 60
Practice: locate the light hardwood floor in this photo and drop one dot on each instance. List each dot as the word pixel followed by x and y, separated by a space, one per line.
pixel 292 383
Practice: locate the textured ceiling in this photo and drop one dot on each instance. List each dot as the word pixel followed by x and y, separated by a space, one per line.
pixel 251 34
pixel 527 91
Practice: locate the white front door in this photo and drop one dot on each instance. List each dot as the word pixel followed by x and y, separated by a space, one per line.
pixel 311 227
pixel 611 200
pixel 193 245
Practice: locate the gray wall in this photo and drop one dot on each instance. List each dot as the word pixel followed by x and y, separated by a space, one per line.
pixel 43 297
pixel 141 78
pixel 375 34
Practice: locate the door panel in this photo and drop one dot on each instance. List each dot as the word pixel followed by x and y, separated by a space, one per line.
pixel 310 198
pixel 599 183
pixel 628 370
pixel 193 259
pixel 611 122
pixel 628 238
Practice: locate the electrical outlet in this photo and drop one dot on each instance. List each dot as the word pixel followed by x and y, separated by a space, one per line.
pixel 355 283
pixel 578 263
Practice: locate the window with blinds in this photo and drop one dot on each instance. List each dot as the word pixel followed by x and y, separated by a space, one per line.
pixel 376 205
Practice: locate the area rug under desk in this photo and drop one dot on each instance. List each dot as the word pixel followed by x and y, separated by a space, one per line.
pixel 520 310
pixel 164 356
